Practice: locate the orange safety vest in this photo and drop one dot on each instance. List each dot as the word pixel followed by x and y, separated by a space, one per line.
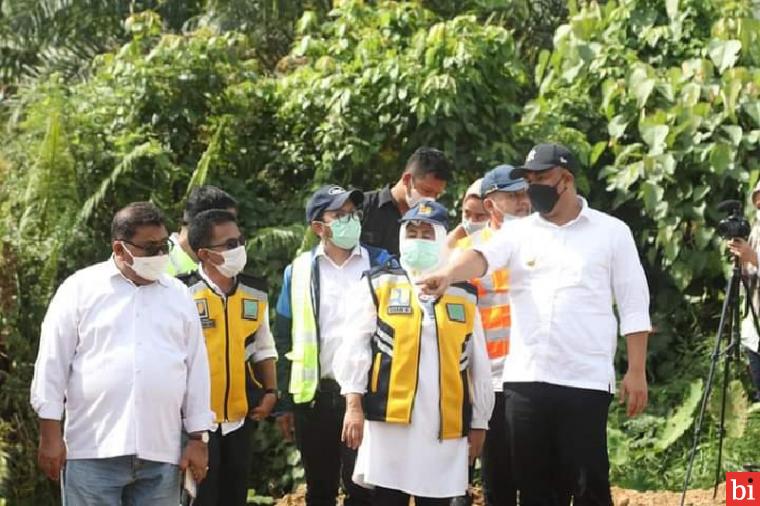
pixel 493 304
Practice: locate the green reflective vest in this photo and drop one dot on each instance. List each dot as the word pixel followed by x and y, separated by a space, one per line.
pixel 180 263
pixel 304 356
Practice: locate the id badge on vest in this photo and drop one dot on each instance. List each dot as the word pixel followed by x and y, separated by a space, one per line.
pixel 400 301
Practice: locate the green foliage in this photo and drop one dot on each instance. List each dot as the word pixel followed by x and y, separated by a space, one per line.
pixel 660 99
pixel 164 112
pixel 271 99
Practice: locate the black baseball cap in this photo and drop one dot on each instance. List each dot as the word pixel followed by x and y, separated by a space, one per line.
pixel 331 198
pixel 546 156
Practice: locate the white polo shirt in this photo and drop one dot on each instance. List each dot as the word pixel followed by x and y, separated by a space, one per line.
pixel 564 282
pixel 128 364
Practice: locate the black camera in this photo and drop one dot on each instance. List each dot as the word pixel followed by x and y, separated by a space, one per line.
pixel 735 225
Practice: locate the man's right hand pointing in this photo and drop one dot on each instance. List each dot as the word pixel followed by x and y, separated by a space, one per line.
pixel 435 283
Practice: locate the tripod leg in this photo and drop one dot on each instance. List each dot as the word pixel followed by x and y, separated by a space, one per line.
pixel 734 325
pixel 725 316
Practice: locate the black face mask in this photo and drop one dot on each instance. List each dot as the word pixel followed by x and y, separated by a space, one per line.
pixel 543 197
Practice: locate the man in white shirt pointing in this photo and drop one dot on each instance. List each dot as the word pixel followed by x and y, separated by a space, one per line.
pixel 569 264
pixel 122 354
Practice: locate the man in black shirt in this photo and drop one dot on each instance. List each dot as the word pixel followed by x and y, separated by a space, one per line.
pixel 425 176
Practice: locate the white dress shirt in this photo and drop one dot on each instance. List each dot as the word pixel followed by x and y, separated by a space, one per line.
pixel 564 281
pixel 127 362
pixel 262 347
pixel 412 458
pixel 335 282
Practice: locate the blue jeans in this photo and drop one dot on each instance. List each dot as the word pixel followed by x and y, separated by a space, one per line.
pixel 116 481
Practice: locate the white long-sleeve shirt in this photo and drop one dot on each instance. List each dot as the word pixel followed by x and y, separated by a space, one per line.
pixel 412 458
pixel 335 282
pixel 564 282
pixel 127 363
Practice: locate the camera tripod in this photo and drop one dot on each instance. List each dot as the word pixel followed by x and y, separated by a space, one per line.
pixel 729 326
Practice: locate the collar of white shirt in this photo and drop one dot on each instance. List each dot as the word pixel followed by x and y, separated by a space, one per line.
pixel 113 270
pixel 210 283
pixel 356 252
pixel 585 214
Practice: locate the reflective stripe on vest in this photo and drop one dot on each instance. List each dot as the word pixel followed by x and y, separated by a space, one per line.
pixel 493 301
pixel 229 329
pixel 392 385
pixel 304 356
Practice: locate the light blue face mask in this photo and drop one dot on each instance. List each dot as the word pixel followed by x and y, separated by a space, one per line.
pixel 346 232
pixel 420 254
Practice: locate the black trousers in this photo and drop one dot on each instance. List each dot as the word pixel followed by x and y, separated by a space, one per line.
pixel 391 497
pixel 754 371
pixel 229 465
pixel 498 480
pixel 558 444
pixel 325 458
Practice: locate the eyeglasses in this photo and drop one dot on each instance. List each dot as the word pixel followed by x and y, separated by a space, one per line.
pixel 228 244
pixel 154 248
pixel 344 217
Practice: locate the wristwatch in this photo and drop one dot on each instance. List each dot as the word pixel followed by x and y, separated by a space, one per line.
pixel 274 392
pixel 203 437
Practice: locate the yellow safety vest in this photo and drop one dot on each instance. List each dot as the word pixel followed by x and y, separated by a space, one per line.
pixel 493 303
pixel 229 326
pixel 396 352
pixel 304 356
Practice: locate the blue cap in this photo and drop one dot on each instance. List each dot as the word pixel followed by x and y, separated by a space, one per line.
pixel 499 179
pixel 330 198
pixel 428 211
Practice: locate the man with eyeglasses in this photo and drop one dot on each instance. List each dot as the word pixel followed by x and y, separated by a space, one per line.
pixel 182 259
pixel 312 311
pixel 122 354
pixel 234 313
pixel 504 199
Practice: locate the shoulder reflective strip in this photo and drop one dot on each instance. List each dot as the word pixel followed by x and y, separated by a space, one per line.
pixel 252 292
pixel 455 291
pixel 199 288
pixel 492 299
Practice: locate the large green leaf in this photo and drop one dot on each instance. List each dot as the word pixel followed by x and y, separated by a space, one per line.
pixel 680 420
pixel 724 53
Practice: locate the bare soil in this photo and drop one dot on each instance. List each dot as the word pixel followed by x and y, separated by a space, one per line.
pixel 621 497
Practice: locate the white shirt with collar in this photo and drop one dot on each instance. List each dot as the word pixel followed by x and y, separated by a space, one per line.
pixel 564 282
pixel 335 283
pixel 128 364
pixel 261 348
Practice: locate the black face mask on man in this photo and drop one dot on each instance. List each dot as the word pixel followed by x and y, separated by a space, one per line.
pixel 543 197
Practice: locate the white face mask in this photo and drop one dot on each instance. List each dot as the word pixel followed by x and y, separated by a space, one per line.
pixel 757 214
pixel 504 215
pixel 414 197
pixel 234 262
pixel 472 227
pixel 149 268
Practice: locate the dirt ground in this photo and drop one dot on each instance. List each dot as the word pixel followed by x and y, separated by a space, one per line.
pixel 620 496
